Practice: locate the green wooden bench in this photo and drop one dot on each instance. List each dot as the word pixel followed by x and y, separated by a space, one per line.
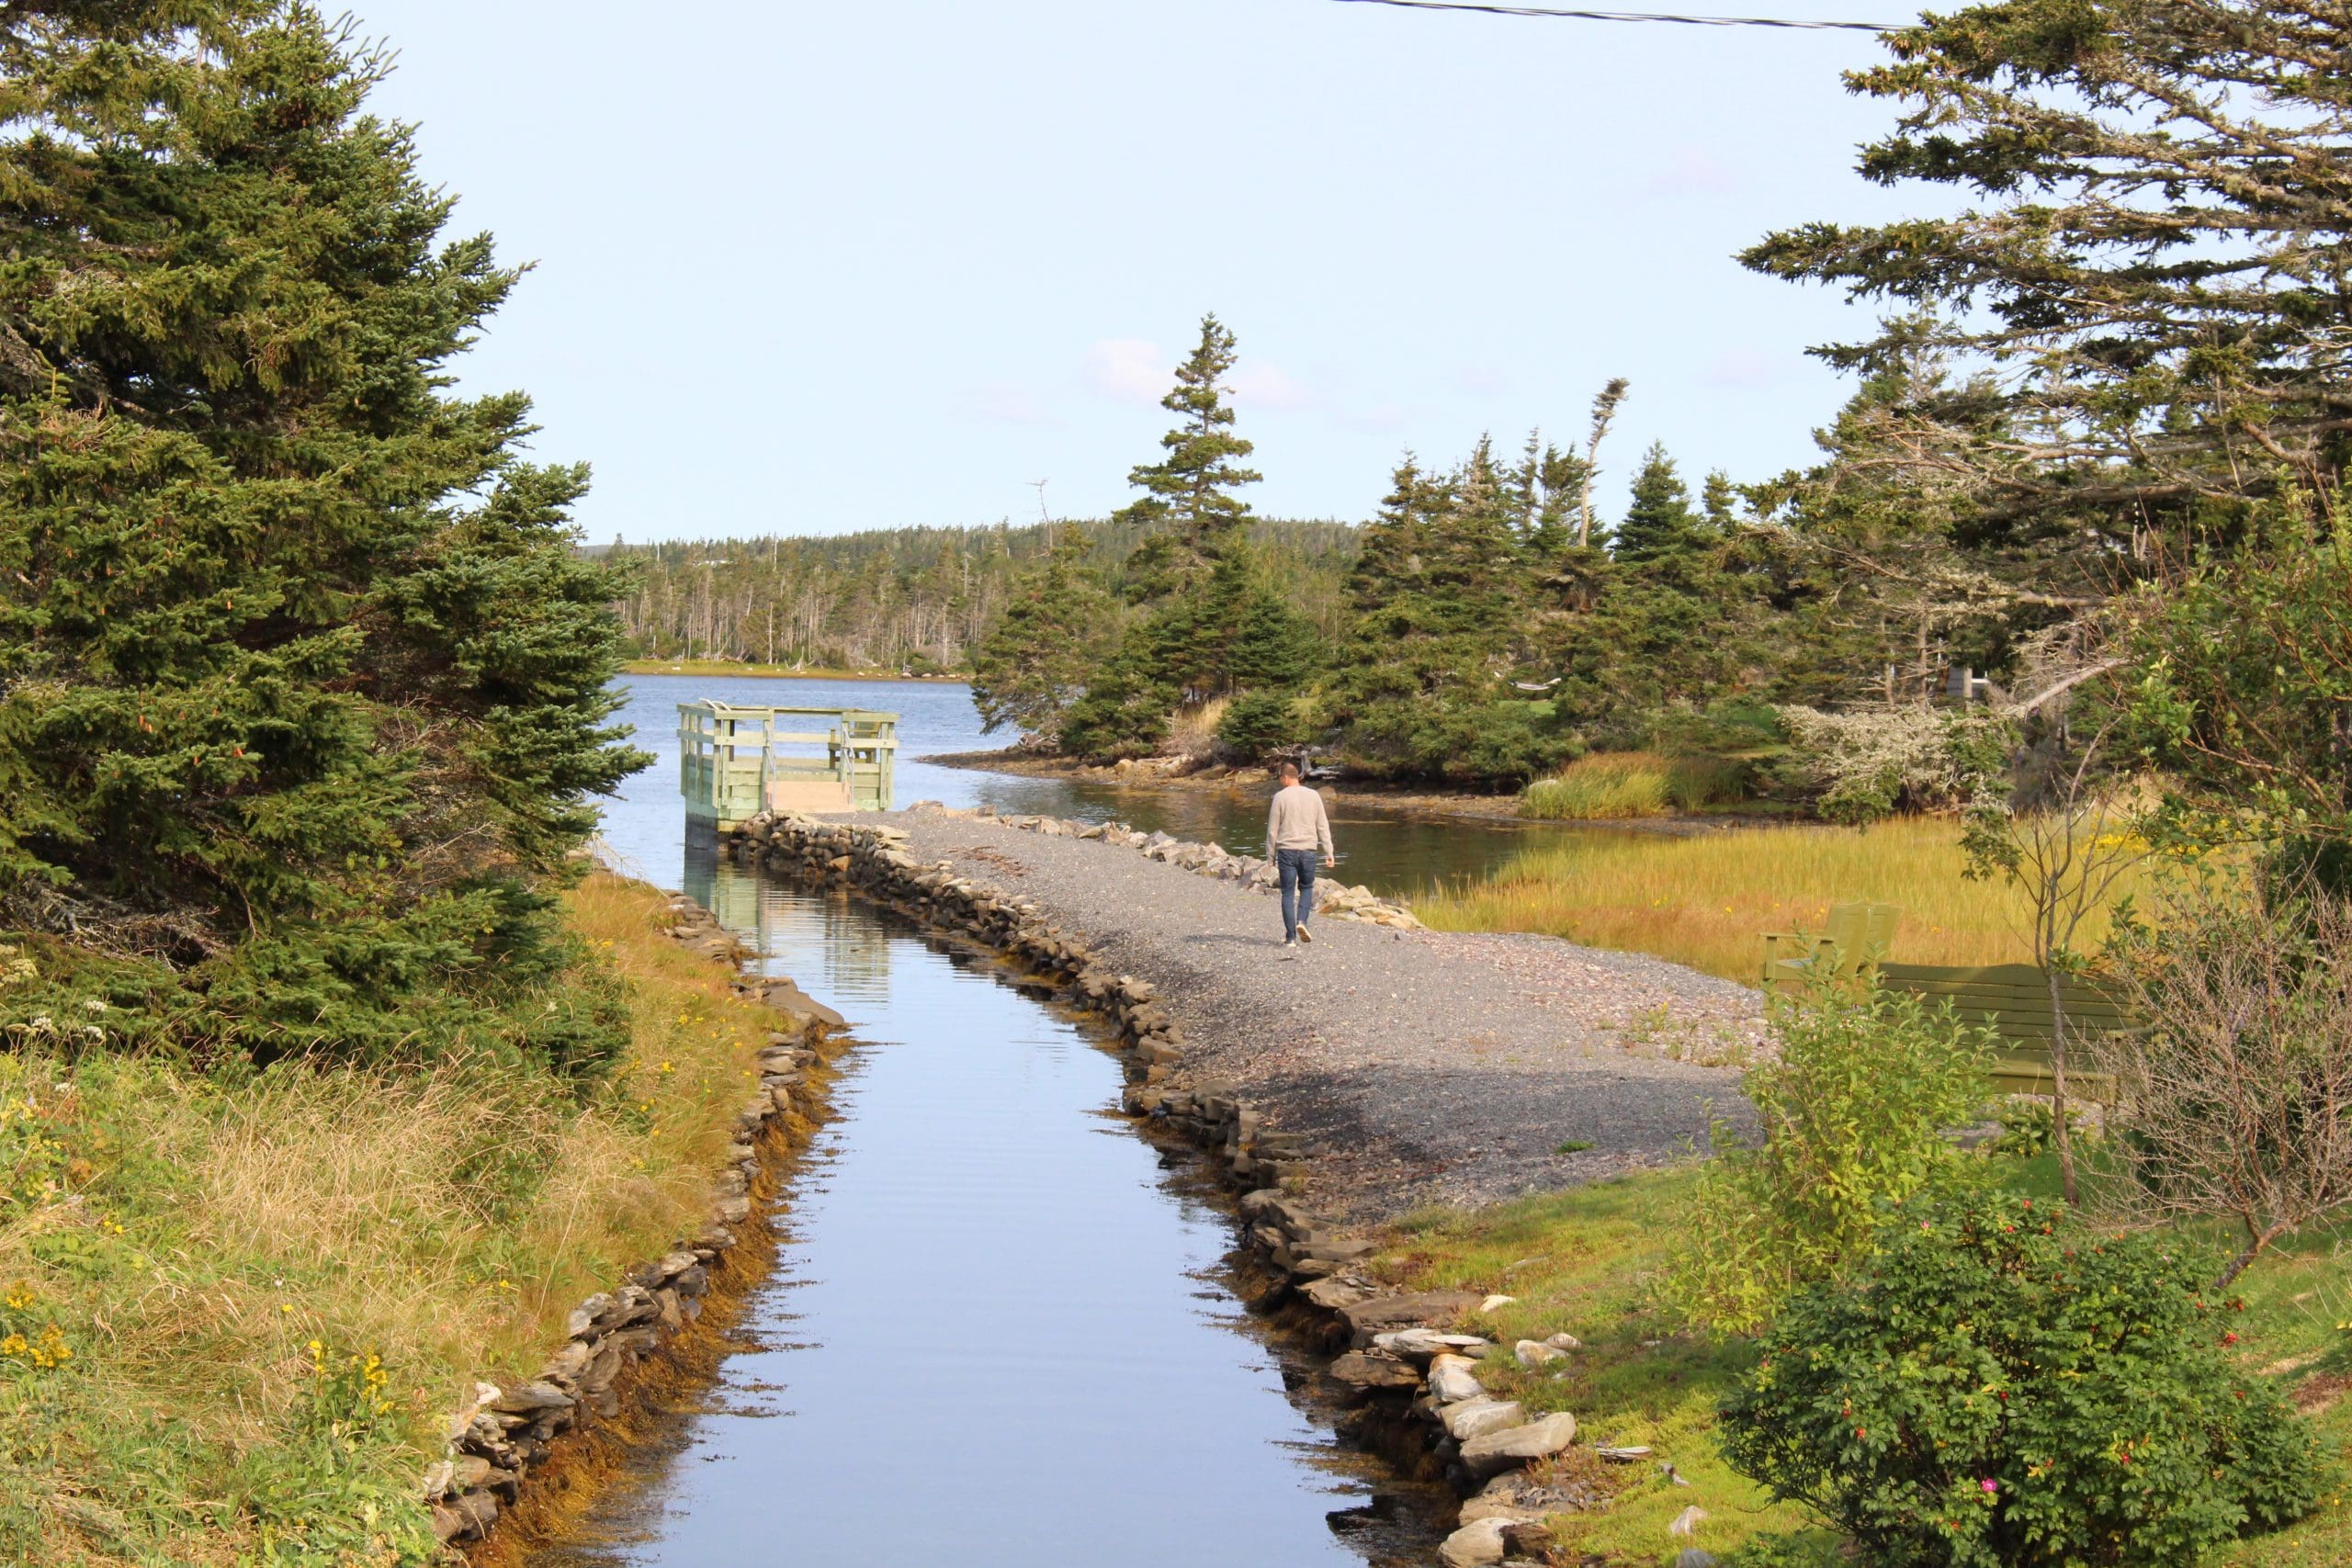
pixel 2013 1001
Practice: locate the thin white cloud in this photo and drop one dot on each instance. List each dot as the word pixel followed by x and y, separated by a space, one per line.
pixel 1693 173
pixel 1750 367
pixel 1131 369
pixel 1002 403
pixel 1269 387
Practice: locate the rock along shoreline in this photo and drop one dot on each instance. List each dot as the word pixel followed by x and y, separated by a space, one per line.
pixel 1411 1372
pixel 509 1446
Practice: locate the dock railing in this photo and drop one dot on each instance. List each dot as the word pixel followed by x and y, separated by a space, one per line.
pixel 735 761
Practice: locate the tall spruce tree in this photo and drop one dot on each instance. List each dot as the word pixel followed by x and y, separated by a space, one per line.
pixel 300 679
pixel 1188 499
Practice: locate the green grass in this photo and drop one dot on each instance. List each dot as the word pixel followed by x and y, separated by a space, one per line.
pixel 1705 899
pixel 270 1289
pixel 1588 1262
pixel 1615 785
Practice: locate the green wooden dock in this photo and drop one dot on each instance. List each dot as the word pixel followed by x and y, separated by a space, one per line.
pixel 736 762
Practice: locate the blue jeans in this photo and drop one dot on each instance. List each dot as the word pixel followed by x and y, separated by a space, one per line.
pixel 1296 868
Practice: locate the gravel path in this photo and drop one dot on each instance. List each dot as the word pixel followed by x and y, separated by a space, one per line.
pixel 1424 1067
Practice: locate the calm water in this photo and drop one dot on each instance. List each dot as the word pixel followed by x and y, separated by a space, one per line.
pixel 1386 850
pixel 999 1332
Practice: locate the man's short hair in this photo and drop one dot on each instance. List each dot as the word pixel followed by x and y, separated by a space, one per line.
pixel 1290 770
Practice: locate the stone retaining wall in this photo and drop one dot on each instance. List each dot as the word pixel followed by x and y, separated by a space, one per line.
pixel 1413 1380
pixel 504 1434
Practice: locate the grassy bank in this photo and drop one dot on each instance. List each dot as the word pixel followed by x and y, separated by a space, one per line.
pixel 1588 1262
pixel 1704 899
pixel 1619 784
pixel 785 672
pixel 239 1306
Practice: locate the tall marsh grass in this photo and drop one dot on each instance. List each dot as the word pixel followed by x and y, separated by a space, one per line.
pixel 1610 785
pixel 1704 899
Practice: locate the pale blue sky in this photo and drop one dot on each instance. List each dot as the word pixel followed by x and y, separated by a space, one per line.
pixel 810 268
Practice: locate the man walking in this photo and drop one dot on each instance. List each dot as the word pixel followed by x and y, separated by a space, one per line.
pixel 1295 829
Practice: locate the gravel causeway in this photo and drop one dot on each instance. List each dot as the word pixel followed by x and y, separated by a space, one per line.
pixel 1425 1067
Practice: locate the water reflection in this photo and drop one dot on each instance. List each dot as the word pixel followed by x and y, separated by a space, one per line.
pixel 998 1333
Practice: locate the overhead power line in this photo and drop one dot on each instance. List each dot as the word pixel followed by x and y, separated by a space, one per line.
pixel 1635 16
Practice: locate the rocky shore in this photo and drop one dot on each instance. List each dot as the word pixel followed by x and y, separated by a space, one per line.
pixel 1411 1361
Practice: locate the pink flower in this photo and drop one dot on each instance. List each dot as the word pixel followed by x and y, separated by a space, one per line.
pixel 1990 1486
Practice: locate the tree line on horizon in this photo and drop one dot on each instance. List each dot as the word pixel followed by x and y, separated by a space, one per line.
pixel 915 598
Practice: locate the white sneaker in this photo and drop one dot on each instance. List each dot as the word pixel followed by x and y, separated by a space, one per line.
pixel 1290 942
pixel 1305 935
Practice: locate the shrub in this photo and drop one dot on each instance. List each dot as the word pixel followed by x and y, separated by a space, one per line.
pixel 1854 1111
pixel 1996 1389
pixel 1869 764
pixel 1259 724
pixel 1634 784
pixel 2237 1095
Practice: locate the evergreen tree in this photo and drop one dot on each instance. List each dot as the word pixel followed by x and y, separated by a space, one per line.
pixel 1189 494
pixel 1045 644
pixel 2148 236
pixel 1659 520
pixel 300 678
pixel 1558 492
pixel 1127 706
pixel 1276 649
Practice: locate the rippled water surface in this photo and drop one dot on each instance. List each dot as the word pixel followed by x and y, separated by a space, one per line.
pixel 1000 1329
pixel 1386 850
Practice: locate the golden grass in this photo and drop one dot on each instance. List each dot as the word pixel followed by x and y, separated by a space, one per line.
pixel 1704 899
pixel 203 1232
pixel 1610 785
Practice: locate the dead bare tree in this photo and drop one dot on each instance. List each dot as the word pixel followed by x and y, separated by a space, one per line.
pixel 2066 859
pixel 2237 1098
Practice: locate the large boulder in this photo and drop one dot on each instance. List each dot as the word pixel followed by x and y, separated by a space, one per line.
pixel 1382 1314
pixel 1474 1544
pixel 1477 1417
pixel 1494 1453
pixel 1452 1380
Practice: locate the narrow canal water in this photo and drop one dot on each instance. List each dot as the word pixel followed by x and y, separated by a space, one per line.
pixel 999 1331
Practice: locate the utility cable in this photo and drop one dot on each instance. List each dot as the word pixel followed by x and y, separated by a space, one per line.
pixel 1635 16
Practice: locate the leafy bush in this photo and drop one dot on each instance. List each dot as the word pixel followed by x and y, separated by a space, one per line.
pixel 1854 1111
pixel 1633 784
pixel 2029 1127
pixel 1869 764
pixel 1996 1389
pixel 1259 724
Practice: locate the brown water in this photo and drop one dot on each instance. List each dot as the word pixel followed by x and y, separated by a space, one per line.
pixel 1000 1330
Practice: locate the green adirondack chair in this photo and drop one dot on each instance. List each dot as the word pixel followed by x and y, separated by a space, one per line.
pixel 1855 936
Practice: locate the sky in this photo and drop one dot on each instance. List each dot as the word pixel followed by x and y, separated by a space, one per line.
pixel 804 268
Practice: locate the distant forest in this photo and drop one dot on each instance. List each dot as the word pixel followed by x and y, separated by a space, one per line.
pixel 917 599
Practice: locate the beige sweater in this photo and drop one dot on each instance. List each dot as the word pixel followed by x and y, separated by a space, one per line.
pixel 1296 821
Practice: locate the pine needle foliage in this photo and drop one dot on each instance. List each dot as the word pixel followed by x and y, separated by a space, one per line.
pixel 301 683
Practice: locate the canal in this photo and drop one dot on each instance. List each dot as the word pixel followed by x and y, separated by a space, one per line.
pixel 1001 1329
